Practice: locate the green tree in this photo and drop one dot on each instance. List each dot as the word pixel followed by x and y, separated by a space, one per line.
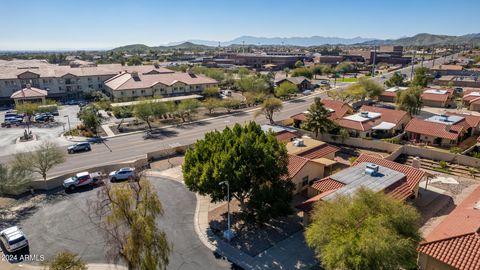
pixel 344 67
pixel 66 261
pixel 127 213
pixel 343 133
pixel 286 89
pixel 144 110
pixel 29 109
pixel 13 179
pixel 90 118
pixel 299 64
pixel 422 77
pixel 367 231
pixel 252 161
pixel 134 61
pixel 211 104
pixel 371 88
pixel 211 91
pixel 302 71
pixel 316 120
pixel 410 100
pixel 41 160
pixel 230 104
pixel 396 80
pixel 269 107
pixel 187 107
pixel 318 70
pixel 252 83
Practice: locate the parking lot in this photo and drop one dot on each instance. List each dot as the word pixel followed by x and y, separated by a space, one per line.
pixel 65 225
pixel 8 136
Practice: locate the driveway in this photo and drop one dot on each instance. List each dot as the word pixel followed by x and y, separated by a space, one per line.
pixel 64 225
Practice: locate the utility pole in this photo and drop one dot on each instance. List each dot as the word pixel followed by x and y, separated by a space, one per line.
pixel 423 56
pixel 228 234
pixel 374 60
pixel 243 46
pixel 413 66
pixel 433 56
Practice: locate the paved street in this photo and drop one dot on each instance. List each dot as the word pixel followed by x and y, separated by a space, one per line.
pixel 64 225
pixel 125 148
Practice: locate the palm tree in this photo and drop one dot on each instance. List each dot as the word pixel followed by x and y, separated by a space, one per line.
pixel 316 119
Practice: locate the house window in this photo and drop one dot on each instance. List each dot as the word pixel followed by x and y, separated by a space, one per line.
pixel 89 79
pixel 60 88
pixel 122 93
pixel 142 91
pixel 305 181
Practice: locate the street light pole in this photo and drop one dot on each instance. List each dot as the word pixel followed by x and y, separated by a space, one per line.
pixel 69 127
pixel 228 234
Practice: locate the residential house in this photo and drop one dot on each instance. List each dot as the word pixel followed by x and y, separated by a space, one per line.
pixel 381 175
pixel 374 122
pixel 338 109
pixel 301 82
pixel 283 134
pixel 309 159
pixel 390 94
pixel 442 130
pixel 131 85
pixel 455 242
pixel 442 98
pixel 459 81
pixel 471 99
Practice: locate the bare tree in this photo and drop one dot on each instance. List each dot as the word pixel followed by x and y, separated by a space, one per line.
pixel 41 160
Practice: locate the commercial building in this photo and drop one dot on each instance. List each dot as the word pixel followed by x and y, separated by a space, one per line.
pixel 455 242
pixel 385 54
pixel 261 61
pixel 131 85
pixel 62 82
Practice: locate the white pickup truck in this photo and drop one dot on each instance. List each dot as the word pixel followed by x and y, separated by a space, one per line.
pixel 81 179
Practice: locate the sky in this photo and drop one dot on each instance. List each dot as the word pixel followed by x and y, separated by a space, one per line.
pixel 103 24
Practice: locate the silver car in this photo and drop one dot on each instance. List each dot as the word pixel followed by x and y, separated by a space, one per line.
pixel 13 239
pixel 126 173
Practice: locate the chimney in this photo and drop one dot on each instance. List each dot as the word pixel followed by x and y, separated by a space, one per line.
pixel 416 163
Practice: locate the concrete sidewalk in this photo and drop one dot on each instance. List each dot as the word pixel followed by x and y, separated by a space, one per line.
pixel 93 266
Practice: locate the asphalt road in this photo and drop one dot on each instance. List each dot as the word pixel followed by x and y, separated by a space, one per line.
pixel 130 147
pixel 64 225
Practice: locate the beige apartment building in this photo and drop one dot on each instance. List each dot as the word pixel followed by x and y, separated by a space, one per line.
pixel 131 85
pixel 66 82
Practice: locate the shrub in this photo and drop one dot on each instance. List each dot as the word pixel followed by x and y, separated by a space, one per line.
pixel 443 164
pixel 352 159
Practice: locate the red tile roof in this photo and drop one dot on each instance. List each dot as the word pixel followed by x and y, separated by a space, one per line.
pixel 388 94
pixel 414 176
pixel 456 240
pixel 401 190
pixel 437 97
pixel 387 115
pixel 285 136
pixel 295 164
pixel 433 129
pixel 319 151
pixel 470 119
pixel 298 116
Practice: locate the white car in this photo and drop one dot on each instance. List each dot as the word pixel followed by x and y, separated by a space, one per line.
pixel 126 173
pixel 13 239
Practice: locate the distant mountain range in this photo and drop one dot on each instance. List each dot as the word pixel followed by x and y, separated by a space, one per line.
pixel 417 40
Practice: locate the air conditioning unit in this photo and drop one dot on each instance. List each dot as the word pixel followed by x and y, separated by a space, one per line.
pixel 371 169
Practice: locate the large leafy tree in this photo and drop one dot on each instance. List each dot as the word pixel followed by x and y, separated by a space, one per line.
pixel 367 231
pixel 410 100
pixel 41 160
pixel 211 104
pixel 147 111
pixel 396 80
pixel 252 161
pixel 211 91
pixel 127 214
pixel 370 88
pixel 187 107
pixel 286 89
pixel 421 77
pixel 269 107
pixel 317 119
pixel 302 71
pixel 252 83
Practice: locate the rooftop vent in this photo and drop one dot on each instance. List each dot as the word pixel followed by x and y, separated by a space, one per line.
pixel 364 114
pixel 135 76
pixel 371 169
pixel 190 72
pixel 476 206
pixel 298 143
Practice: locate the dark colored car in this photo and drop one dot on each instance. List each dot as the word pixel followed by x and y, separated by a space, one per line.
pixel 83 146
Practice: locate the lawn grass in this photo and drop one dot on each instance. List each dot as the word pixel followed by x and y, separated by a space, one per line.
pixel 350 79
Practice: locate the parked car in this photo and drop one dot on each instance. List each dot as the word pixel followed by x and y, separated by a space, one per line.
pixel 126 173
pixel 307 92
pixel 55 113
pixel 44 117
pixel 81 179
pixel 83 146
pixel 325 82
pixel 13 120
pixel 13 239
